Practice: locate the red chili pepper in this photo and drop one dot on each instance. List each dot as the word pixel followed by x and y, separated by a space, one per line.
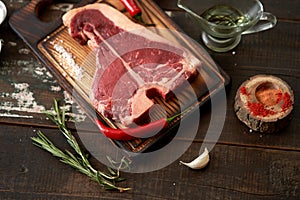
pixel 134 11
pixel 132 7
pixel 143 131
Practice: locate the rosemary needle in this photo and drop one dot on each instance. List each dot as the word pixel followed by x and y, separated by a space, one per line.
pixel 80 161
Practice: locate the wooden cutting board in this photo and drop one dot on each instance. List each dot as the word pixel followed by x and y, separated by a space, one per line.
pixel 51 43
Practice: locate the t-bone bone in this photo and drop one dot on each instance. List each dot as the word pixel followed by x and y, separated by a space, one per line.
pixel 133 63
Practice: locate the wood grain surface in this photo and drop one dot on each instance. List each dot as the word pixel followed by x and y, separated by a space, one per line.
pixel 244 164
pixel 50 41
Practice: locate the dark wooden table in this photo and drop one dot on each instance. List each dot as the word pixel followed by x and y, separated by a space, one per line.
pixel 244 165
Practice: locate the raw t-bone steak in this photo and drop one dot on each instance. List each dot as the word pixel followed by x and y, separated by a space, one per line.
pixel 133 63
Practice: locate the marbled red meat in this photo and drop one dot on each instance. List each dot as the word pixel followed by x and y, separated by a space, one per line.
pixel 133 63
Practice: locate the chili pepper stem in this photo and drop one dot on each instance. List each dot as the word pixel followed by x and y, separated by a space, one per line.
pixel 170 119
pixel 138 17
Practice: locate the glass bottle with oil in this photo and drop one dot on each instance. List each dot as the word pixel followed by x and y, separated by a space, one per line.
pixel 223 22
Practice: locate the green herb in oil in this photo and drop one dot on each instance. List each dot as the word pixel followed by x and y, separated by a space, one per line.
pixel 224 15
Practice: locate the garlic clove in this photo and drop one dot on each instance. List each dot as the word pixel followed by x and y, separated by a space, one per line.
pixel 3 12
pixel 200 162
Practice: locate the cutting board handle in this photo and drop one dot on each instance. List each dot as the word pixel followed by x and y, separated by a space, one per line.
pixel 27 24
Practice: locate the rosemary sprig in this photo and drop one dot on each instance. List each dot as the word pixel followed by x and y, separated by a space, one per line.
pixel 80 161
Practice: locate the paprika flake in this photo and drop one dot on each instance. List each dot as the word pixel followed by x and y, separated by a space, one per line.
pixel 287 102
pixel 268 96
pixel 258 109
pixel 279 97
pixel 243 90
